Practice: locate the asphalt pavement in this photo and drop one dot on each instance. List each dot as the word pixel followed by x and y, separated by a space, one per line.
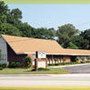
pixel 79 69
pixel 45 80
pixel 75 68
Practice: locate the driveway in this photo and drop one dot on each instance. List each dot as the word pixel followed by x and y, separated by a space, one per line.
pixel 78 68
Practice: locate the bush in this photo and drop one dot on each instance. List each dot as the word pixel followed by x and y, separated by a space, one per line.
pixel 28 62
pixel 2 66
pixel 15 64
pixel 18 64
pixel 87 61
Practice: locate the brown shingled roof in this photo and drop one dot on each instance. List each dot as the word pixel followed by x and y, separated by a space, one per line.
pixel 77 52
pixel 31 45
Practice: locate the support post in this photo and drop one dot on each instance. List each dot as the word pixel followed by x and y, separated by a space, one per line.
pixel 36 64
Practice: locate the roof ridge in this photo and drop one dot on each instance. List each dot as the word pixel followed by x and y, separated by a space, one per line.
pixel 3 35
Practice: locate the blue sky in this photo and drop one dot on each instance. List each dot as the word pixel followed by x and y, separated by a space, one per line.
pixel 54 15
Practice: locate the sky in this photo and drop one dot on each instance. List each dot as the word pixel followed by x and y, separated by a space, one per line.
pixel 54 15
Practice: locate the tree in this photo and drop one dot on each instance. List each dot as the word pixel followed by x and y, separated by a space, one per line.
pixel 65 33
pixel 25 29
pixel 6 28
pixel 44 33
pixel 86 36
pixel 14 17
pixel 68 29
pixel 3 12
pixel 51 33
pixel 16 13
pixel 68 36
pixel 80 42
pixel 3 7
pixel 72 45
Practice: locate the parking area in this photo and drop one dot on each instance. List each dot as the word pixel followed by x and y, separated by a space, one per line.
pixel 78 69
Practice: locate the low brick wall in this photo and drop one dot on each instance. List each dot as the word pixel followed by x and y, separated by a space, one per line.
pixel 40 63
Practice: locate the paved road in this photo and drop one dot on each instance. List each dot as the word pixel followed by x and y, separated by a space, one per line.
pixel 50 80
pixel 78 69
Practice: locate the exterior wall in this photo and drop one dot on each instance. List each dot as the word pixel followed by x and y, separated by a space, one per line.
pixel 55 59
pixel 12 56
pixel 40 63
pixel 3 48
pixel 66 59
pixel 7 54
pixel 83 59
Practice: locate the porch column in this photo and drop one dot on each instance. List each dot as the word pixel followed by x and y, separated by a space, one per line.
pixel 52 59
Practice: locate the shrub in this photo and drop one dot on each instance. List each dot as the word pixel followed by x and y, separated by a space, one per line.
pixel 87 61
pixel 11 65
pixel 2 66
pixel 18 64
pixel 56 64
pixel 14 64
pixel 28 62
pixel 74 59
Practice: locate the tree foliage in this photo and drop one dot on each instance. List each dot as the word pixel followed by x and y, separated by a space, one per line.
pixel 11 23
pixel 86 37
pixel 6 28
pixel 68 36
pixel 44 33
pixel 65 33
pixel 80 42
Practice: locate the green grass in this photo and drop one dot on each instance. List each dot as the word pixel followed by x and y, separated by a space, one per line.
pixel 45 88
pixel 28 71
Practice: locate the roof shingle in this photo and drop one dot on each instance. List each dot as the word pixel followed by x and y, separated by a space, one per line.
pixel 31 45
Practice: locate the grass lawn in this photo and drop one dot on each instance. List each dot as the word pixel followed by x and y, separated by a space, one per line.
pixel 45 88
pixel 28 71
